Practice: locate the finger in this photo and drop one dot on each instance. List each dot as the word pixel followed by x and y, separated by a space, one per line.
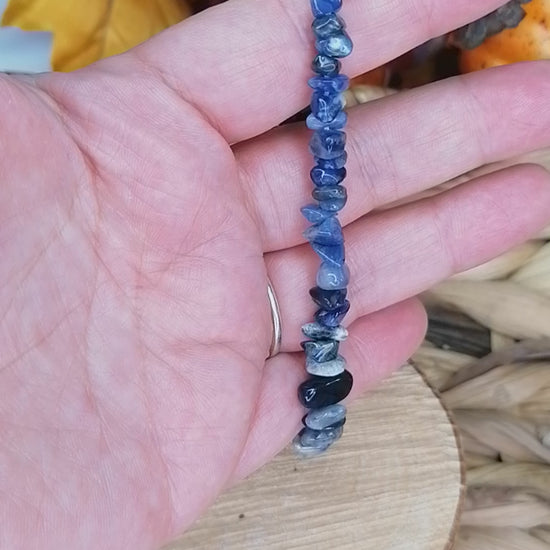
pixel 377 345
pixel 399 253
pixel 401 145
pixel 245 64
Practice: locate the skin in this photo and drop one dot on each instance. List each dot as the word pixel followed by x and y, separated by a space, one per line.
pixel 146 199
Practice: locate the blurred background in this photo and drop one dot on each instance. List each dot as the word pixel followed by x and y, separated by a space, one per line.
pixel 41 35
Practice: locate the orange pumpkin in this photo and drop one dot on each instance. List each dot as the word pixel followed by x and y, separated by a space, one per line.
pixel 93 29
pixel 529 41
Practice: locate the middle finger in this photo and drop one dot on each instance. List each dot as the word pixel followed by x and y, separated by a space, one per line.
pixel 400 145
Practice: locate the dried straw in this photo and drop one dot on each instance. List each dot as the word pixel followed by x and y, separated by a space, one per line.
pixel 505 306
pixel 535 274
pixel 501 402
pixel 497 538
pixel 364 93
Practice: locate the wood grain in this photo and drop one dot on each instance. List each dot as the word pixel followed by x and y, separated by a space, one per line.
pixel 394 482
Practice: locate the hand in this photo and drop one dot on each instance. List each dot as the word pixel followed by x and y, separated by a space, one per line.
pixel 144 201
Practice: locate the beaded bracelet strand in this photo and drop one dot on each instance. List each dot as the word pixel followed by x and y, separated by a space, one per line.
pixel 329 380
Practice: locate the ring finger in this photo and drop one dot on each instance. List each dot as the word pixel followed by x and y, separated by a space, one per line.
pixel 401 252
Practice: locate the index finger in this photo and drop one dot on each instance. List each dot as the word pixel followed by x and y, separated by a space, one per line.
pixel 245 63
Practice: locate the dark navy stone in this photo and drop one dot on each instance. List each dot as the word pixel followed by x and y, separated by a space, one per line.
pixel 339 122
pixel 326 25
pixel 332 318
pixel 332 276
pixel 320 392
pixel 326 66
pixel 328 299
pixel 315 331
pixel 320 438
pixel 328 232
pixel 327 177
pixel 327 144
pixel 329 84
pixel 332 164
pixel 324 7
pixel 321 350
pixel 332 416
pixel 326 107
pixel 336 45
pixel 312 213
pixel 331 254
pixel 331 198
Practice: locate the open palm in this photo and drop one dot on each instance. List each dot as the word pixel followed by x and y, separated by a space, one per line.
pixel 140 216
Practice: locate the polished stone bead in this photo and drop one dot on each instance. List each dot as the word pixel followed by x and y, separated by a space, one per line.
pixel 328 232
pixel 324 391
pixel 312 213
pixel 319 419
pixel 329 192
pixel 332 277
pixel 320 350
pixel 315 331
pixel 326 368
pixel 327 177
pixel 336 45
pixel 332 206
pixel 335 255
pixel 326 106
pixel 328 299
pixel 326 66
pixel 331 198
pixel 338 162
pixel 339 122
pixel 327 144
pixel 332 318
pixel 324 7
pixel 302 451
pixel 329 84
pixel 326 25
pixel 319 438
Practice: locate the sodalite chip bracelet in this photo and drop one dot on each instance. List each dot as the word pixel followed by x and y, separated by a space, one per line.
pixel 329 380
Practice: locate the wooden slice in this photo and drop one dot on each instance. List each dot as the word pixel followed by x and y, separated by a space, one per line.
pixel 393 482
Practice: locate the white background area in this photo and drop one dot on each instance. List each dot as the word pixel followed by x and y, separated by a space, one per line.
pixel 24 51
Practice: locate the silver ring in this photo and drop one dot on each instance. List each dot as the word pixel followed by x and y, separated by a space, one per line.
pixel 275 347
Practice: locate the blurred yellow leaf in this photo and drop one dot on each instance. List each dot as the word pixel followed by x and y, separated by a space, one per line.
pixel 87 31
